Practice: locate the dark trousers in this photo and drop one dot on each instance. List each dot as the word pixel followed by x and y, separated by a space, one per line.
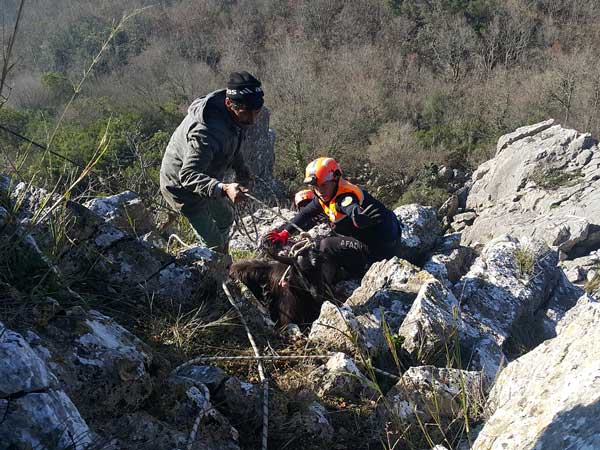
pixel 353 256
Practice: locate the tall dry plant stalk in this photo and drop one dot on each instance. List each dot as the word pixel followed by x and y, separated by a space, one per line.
pixel 7 64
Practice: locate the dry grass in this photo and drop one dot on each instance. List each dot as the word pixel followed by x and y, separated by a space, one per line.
pixel 183 330
pixel 593 286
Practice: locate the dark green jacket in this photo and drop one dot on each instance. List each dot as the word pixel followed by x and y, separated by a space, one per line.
pixel 204 146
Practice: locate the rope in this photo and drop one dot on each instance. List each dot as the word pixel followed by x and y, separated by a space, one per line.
pixel 261 373
pixel 209 359
pixel 264 205
pixel 204 359
pixel 174 237
pixel 202 400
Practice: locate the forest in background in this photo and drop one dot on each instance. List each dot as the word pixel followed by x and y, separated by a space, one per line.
pixel 393 89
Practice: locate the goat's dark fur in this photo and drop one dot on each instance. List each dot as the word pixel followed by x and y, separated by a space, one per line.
pixel 297 301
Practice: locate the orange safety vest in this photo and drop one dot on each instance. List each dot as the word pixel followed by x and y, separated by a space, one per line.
pixel 344 187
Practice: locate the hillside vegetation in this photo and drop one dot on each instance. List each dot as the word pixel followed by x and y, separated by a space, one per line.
pixel 389 87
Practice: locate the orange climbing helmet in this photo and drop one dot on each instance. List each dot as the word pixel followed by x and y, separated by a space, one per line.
pixel 322 170
pixel 303 197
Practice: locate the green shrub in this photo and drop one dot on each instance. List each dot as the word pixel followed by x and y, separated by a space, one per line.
pixel 423 195
pixel 525 262
pixel 552 179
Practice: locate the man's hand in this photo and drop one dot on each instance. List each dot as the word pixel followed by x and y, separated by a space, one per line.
pixel 234 191
pixel 277 236
pixel 366 217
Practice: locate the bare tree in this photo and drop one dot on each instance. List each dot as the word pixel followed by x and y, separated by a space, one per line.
pixel 450 44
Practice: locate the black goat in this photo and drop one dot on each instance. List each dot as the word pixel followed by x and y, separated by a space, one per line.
pixel 294 287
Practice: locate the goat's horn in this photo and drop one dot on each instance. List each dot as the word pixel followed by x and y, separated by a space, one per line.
pixel 282 259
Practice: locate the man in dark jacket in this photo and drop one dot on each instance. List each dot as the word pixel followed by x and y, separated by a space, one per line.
pixel 203 147
pixel 367 230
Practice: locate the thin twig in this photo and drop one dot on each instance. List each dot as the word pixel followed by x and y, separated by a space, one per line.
pixel 6 65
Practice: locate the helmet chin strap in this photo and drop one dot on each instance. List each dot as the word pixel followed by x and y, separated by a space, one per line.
pixel 337 185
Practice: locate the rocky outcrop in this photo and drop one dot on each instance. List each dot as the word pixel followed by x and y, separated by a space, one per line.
pixel 98 362
pixel 35 411
pixel 476 306
pixel 433 325
pixel 383 299
pixel 340 377
pixel 450 260
pixel 124 211
pixel 420 230
pixel 583 269
pixel 259 153
pixel 385 295
pixel 543 182
pixel 112 259
pixel 483 316
pixel 432 397
pixel 550 398
pixel 505 287
pixel 337 329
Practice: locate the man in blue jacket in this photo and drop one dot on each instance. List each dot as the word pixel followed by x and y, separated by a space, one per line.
pixel 203 147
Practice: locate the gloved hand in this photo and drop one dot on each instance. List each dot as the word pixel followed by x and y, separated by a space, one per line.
pixel 277 236
pixel 363 218
pixel 234 191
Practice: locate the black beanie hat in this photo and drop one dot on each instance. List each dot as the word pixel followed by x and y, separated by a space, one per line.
pixel 245 90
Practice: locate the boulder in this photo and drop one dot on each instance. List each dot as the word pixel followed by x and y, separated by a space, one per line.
pixel 386 293
pixel 122 263
pixel 451 264
pixel 433 325
pixel 462 221
pixel 550 398
pixel 578 269
pixel 508 283
pixel 209 376
pixel 337 329
pixel 420 229
pixel 112 259
pixel 241 402
pixel 141 431
pixel 427 392
pixel 21 369
pixel 99 363
pixel 541 183
pixel 426 396
pixel 258 150
pixel 311 425
pixel 35 412
pixel 182 399
pixel 44 420
pixel 34 203
pixel 340 377
pixel 125 211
